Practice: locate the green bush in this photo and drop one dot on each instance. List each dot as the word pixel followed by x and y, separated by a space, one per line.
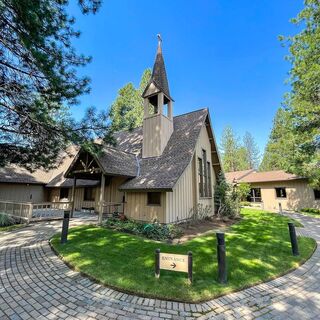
pixel 6 220
pixel 155 231
pixel 311 210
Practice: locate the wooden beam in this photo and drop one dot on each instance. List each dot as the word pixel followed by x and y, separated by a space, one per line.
pixel 73 195
pixel 101 199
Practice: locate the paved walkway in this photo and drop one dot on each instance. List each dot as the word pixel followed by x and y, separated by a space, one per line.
pixel 36 284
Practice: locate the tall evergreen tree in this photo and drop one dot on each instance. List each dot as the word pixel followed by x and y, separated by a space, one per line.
pixel 252 151
pixel 280 148
pixel 303 102
pixel 233 154
pixel 127 111
pixel 39 82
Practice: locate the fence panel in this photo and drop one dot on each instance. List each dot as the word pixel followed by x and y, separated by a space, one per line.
pixel 19 210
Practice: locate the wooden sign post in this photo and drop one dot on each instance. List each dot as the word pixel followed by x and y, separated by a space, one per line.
pixel 173 262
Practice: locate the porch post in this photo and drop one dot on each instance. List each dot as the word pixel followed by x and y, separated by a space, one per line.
pixel 73 195
pixel 101 198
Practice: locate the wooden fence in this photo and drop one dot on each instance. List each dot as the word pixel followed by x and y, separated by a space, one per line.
pixel 20 210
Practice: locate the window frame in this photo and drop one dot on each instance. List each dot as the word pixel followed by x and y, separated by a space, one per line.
pixel 253 197
pixel 285 192
pixel 316 193
pixel 209 180
pixel 200 177
pixel 64 190
pixel 153 204
pixel 92 198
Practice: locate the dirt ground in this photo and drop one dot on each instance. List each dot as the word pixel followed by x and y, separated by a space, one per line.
pixel 196 229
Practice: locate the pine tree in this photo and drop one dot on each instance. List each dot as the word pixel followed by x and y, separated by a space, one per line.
pixel 234 156
pixel 39 82
pixel 252 151
pixel 127 111
pixel 303 102
pixel 280 149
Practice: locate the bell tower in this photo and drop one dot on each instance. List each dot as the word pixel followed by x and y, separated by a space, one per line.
pixel 158 118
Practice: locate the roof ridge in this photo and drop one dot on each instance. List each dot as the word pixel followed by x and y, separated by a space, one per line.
pixel 110 147
pixel 179 115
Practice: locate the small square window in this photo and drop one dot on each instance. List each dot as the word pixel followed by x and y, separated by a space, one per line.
pixel 154 199
pixel 281 192
pixel 316 194
pixel 88 194
pixel 64 193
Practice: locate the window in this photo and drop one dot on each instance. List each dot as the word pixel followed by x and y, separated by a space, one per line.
pixel 209 179
pixel 201 186
pixel 316 194
pixel 204 172
pixel 88 194
pixel 64 193
pixel 154 199
pixel 255 195
pixel 281 192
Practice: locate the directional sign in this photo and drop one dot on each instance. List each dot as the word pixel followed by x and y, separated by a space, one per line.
pixel 174 262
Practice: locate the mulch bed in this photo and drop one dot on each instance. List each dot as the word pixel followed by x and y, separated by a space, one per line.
pixel 198 228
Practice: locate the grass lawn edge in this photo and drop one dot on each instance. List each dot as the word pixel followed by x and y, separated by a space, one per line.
pixel 159 297
pixel 12 228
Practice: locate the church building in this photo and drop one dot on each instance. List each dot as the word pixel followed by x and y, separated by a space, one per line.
pixel 164 170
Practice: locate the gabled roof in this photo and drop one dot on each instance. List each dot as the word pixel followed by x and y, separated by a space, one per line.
pixel 269 176
pixel 252 176
pixel 164 171
pixel 159 74
pixel 237 175
pixel 118 162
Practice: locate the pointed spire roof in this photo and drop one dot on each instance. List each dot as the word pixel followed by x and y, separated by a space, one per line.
pixel 159 75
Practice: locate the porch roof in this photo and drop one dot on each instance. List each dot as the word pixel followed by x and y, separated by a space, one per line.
pixel 109 161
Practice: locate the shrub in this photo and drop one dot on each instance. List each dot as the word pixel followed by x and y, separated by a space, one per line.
pixel 155 230
pixel 199 213
pixel 226 198
pixel 310 210
pixel 6 220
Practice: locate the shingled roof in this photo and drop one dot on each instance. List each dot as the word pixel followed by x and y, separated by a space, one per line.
pixel 164 171
pixel 252 176
pixel 159 74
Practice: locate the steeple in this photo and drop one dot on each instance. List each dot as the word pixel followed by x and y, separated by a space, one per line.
pixel 158 116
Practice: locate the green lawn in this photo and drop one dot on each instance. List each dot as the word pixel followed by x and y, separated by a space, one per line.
pixel 258 248
pixel 310 214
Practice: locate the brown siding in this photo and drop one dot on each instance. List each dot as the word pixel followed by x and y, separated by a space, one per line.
pixel 182 199
pixel 136 207
pixel 111 194
pixel 22 192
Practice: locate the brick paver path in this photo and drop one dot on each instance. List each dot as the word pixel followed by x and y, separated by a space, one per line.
pixel 36 284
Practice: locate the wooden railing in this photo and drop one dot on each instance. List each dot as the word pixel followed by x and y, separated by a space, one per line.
pixel 59 205
pixel 20 210
pixel 113 207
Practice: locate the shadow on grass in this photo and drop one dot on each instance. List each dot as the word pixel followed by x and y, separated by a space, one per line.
pixel 258 249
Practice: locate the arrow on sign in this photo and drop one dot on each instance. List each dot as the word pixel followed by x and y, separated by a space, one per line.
pixel 173 265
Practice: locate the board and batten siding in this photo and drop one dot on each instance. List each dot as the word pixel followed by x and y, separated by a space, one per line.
pixel 157 132
pixel 183 198
pixel 23 192
pixel 111 194
pixel 185 195
pixel 136 207
pixel 299 195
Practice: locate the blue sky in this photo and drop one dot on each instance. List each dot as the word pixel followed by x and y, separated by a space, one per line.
pixel 223 55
